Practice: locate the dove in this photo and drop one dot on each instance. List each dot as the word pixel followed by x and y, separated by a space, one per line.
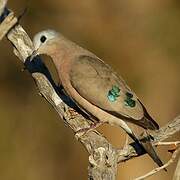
pixel 95 87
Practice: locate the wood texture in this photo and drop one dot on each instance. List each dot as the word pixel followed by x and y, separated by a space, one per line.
pixel 177 171
pixel 103 158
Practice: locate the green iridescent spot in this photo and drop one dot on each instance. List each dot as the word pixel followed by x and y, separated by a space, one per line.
pixel 129 95
pixel 116 89
pixel 129 101
pixel 114 93
pixel 111 97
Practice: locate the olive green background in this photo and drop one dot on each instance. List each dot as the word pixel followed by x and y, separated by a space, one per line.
pixel 139 39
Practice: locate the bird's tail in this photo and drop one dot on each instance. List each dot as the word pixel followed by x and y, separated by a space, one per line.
pixel 147 146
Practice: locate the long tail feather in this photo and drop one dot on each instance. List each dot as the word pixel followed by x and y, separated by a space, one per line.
pixel 147 146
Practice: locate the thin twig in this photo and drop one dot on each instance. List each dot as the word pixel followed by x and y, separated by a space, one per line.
pixel 2 5
pixel 177 171
pixel 131 151
pixel 175 143
pixel 104 158
pixel 154 171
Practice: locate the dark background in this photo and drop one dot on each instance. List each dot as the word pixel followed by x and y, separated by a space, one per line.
pixel 139 39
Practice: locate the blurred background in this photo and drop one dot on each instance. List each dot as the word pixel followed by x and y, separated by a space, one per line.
pixel 139 39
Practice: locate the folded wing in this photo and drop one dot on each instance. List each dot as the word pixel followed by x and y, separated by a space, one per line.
pixel 99 84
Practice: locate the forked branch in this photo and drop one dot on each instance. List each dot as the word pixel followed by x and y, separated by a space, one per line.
pixel 104 158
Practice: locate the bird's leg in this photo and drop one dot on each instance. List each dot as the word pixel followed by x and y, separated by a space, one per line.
pixel 73 113
pixel 146 133
pixel 92 127
pixel 60 87
pixel 23 69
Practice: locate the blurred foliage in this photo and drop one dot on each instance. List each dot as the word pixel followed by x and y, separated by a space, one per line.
pixel 140 39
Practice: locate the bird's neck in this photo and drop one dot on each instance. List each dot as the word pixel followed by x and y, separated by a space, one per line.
pixel 61 51
pixel 63 56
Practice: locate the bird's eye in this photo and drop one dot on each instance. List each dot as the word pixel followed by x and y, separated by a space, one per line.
pixel 43 39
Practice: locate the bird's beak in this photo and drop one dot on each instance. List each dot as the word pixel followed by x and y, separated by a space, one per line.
pixel 34 54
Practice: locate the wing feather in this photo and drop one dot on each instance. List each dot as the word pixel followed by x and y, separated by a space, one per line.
pixel 99 84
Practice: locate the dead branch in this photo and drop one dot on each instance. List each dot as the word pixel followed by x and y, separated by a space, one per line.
pixel 2 5
pixel 177 171
pixel 162 134
pixel 154 171
pixel 104 158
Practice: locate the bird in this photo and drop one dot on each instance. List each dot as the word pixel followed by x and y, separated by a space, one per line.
pixel 95 87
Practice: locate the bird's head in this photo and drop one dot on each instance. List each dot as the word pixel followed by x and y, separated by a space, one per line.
pixel 43 41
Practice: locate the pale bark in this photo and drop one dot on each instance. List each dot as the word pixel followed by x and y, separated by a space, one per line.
pixel 103 158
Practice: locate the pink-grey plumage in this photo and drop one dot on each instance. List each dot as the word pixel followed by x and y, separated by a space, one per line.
pixel 95 87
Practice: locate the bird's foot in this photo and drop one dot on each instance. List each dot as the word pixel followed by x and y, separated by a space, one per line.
pixel 146 136
pixel 83 131
pixel 73 113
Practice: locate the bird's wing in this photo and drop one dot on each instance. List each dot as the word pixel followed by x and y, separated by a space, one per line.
pixel 97 82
